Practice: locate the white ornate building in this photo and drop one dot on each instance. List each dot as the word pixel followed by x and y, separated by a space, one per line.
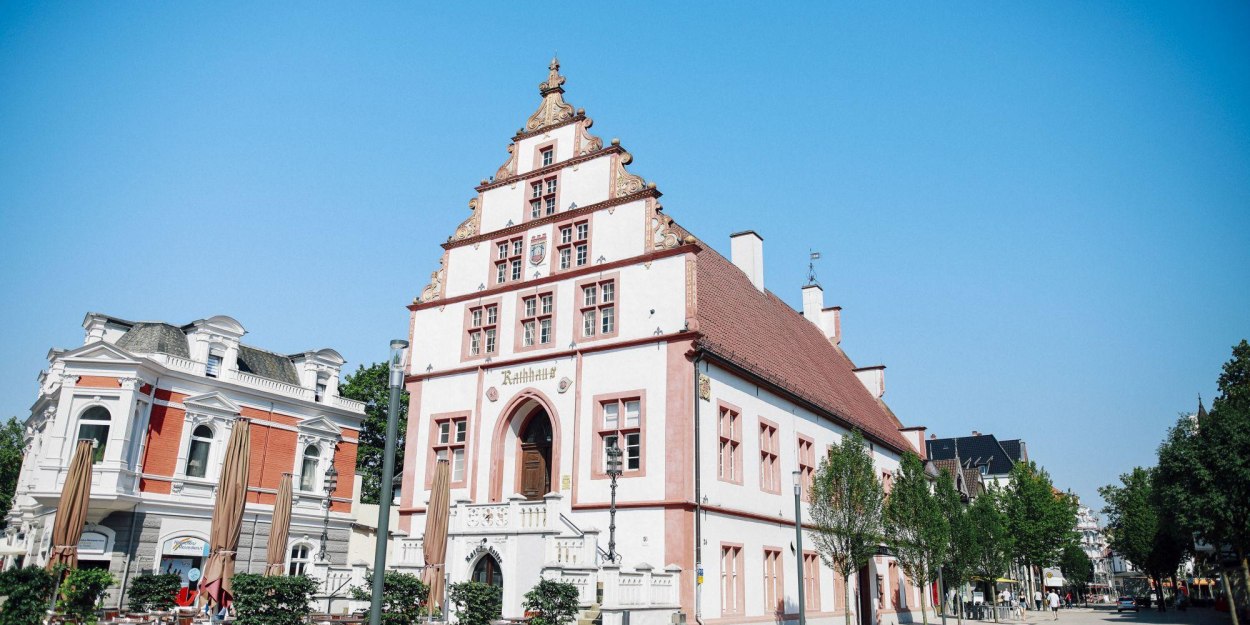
pixel 570 314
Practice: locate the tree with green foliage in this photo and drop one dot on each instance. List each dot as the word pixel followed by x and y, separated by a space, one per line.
pixel 272 600
pixel 153 592
pixel 1078 569
pixel 476 603
pixel 916 527
pixel 846 500
pixel 551 602
pixel 1041 520
pixel 403 597
pixel 1140 531
pixel 372 385
pixel 12 444
pixel 81 592
pixel 26 593
pixel 961 548
pixel 992 548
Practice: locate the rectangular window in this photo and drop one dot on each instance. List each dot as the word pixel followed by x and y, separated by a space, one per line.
pixel 598 310
pixel 543 193
pixel 213 368
pixel 574 247
pixel 770 467
pixel 729 428
pixel 508 259
pixel 549 156
pixel 536 320
pixel 483 325
pixel 807 465
pixel 620 425
pixel 732 601
pixel 811 580
pixel 449 443
pixel 774 582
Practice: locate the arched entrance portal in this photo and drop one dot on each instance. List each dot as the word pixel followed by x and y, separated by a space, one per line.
pixel 487 571
pixel 535 461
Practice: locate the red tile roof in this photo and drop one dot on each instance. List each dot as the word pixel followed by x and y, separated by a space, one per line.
pixel 769 339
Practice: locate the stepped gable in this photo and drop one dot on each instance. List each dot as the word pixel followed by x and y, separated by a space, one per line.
pixel 765 336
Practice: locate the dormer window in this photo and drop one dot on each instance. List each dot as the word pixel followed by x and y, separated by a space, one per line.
pixel 212 368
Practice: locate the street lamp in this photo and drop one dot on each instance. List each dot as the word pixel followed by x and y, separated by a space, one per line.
pixel 396 364
pixel 614 471
pixel 331 483
pixel 798 544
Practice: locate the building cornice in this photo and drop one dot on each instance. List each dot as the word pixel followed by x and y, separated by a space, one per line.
pixel 554 167
pixel 649 192
pixel 526 134
pixel 564 275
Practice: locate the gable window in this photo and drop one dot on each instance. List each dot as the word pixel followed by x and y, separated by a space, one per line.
pixel 536 320
pixel 483 330
pixel 301 556
pixel 573 244
pixel 212 368
pixel 620 425
pixel 198 452
pixel 543 197
pixel 597 302
pixel 507 259
pixel 308 469
pixel 729 428
pixel 448 443
pixel 807 465
pixel 548 156
pixel 770 467
pixel 94 425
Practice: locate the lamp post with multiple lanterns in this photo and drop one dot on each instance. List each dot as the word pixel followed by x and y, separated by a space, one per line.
pixel 614 471
pixel 331 483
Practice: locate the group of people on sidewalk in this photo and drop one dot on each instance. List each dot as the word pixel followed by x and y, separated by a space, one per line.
pixel 1019 604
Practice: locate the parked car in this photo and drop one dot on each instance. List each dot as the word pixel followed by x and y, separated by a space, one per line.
pixel 1126 602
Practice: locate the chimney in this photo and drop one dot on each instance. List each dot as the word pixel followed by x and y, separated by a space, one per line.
pixel 873 379
pixel 747 251
pixel 976 433
pixel 829 320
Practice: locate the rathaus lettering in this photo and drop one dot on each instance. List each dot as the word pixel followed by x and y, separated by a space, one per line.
pixel 528 374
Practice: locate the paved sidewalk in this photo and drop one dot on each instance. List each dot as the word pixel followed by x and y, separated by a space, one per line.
pixel 1108 616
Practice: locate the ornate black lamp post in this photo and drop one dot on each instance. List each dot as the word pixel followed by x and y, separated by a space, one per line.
pixel 614 471
pixel 331 483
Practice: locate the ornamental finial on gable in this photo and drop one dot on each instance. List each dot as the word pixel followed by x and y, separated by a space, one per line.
pixel 553 109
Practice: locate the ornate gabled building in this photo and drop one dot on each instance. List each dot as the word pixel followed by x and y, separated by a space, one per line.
pixel 571 315
pixel 160 401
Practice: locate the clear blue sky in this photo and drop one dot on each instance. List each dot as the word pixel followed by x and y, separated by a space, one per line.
pixel 1037 215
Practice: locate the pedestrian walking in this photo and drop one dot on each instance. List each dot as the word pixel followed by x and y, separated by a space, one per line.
pixel 1053 600
pixel 1037 600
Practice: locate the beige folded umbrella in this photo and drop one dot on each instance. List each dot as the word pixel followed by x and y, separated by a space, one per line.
pixel 435 542
pixel 280 529
pixel 71 510
pixel 227 518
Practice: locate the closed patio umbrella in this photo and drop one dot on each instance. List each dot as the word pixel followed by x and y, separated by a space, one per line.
pixel 71 510
pixel 227 518
pixel 281 527
pixel 435 541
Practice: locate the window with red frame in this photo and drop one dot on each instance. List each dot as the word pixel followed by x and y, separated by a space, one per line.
pixel 731 582
pixel 770 467
pixel 508 263
pixel 730 430
pixel 811 581
pixel 449 443
pixel 536 319
pixel 887 482
pixel 621 427
pixel 807 466
pixel 483 330
pixel 774 581
pixel 573 248
pixel 548 156
pixel 598 306
pixel 543 197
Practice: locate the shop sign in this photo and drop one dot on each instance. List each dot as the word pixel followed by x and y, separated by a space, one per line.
pixel 484 549
pixel 185 546
pixel 93 542
pixel 528 374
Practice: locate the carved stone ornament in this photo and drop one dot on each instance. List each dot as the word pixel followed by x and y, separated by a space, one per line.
pixel 626 183
pixel 665 234
pixel 508 169
pixel 492 394
pixel 435 287
pixel 468 227
pixel 565 383
pixel 705 387
pixel 553 110
pixel 584 142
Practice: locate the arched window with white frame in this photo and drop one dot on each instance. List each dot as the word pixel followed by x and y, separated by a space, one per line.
pixel 199 451
pixel 94 424
pixel 308 468
pixel 300 558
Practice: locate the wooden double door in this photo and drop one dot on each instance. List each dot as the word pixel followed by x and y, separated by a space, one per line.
pixel 535 461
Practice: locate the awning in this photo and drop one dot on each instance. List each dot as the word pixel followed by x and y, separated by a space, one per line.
pixel 1054 581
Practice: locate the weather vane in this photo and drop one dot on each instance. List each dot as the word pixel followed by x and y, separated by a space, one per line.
pixel 811 267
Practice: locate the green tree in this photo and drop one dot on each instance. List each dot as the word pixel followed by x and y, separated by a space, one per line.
pixel 476 603
pixel 372 385
pixel 961 550
pixel 846 501
pixel 81 593
pixel 1224 441
pixel 12 445
pixel 272 600
pixel 992 547
pixel 916 526
pixel 26 593
pixel 153 592
pixel 1140 531
pixel 551 602
pixel 403 596
pixel 1078 569
pixel 1041 520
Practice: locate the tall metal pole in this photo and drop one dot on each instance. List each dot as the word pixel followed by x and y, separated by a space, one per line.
pixel 388 477
pixel 798 546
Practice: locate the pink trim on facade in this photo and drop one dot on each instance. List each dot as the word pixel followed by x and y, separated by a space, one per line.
pixel 502 426
pixel 538 155
pixel 433 445
pixel 729 442
pixel 577 427
pixel 739 593
pixel 483 328
pixel 544 180
pixel 577 237
pixel 603 305
pixel 408 494
pixel 522 316
pixel 476 419
pixel 515 252
pixel 598 451
pixel 772 448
